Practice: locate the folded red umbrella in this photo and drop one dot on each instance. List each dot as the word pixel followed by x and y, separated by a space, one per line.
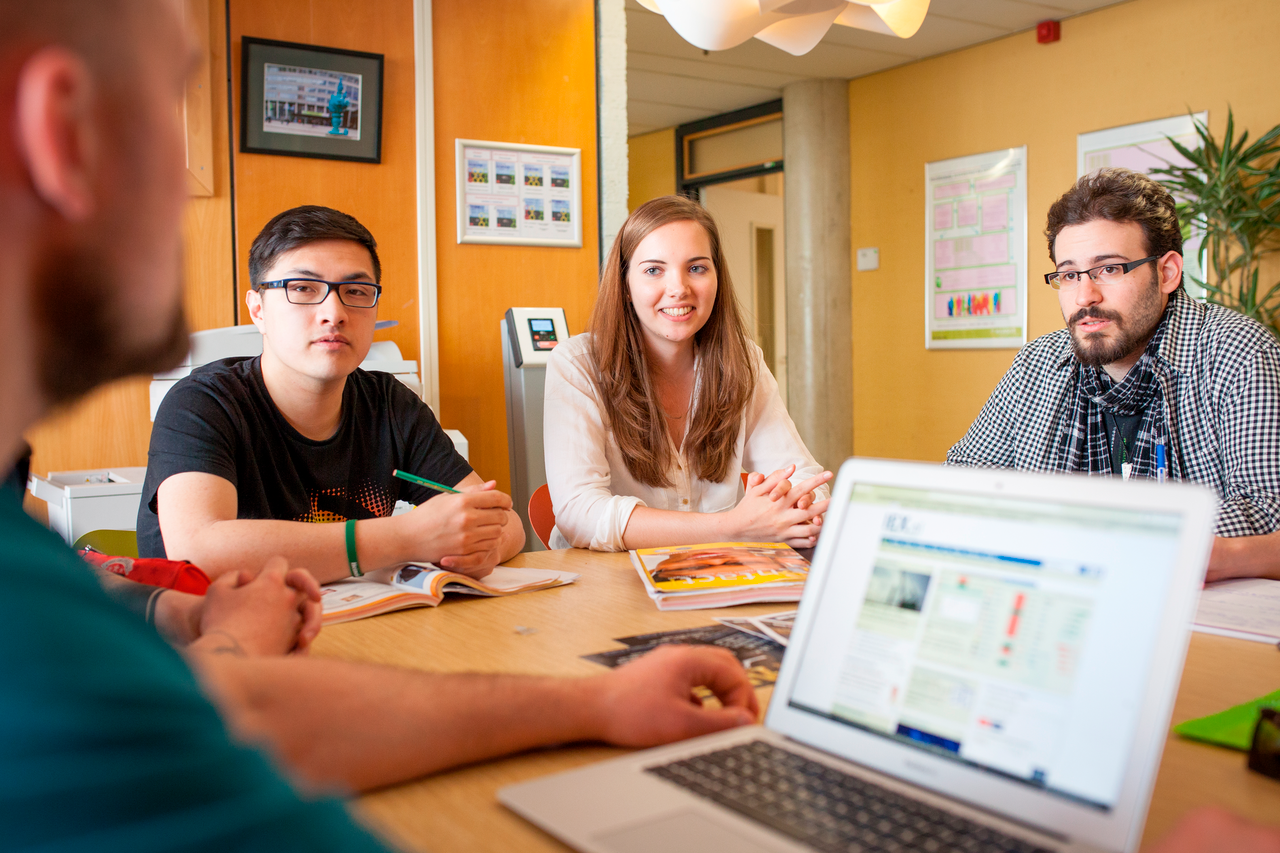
pixel 171 574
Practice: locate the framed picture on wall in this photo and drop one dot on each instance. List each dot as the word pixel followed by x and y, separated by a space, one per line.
pixel 519 195
pixel 301 100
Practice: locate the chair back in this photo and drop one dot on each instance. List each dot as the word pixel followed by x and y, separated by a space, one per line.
pixel 541 516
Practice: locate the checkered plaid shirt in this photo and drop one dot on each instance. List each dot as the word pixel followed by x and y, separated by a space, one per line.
pixel 1219 374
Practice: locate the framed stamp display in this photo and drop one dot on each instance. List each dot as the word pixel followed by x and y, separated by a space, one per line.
pixel 522 195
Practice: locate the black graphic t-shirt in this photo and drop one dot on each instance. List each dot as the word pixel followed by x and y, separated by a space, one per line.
pixel 220 420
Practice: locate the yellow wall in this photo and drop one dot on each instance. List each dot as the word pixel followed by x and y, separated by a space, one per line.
pixel 1137 61
pixel 651 169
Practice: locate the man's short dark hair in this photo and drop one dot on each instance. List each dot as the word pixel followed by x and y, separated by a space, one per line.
pixel 1119 195
pixel 301 226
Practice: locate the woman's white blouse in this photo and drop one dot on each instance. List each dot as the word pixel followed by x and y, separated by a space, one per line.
pixel 593 492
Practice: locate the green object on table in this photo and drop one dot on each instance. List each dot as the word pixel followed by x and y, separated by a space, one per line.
pixel 1232 728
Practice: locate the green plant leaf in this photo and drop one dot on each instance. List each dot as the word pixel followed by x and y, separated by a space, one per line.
pixel 1229 191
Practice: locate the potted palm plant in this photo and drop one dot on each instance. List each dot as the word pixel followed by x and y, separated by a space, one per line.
pixel 1229 192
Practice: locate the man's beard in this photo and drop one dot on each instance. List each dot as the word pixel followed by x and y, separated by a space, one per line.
pixel 1133 332
pixel 85 337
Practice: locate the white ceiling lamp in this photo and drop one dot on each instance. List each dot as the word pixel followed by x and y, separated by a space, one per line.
pixel 899 18
pixel 795 26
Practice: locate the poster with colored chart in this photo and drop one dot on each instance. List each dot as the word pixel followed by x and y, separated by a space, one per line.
pixel 976 251
pixel 1143 147
pixel 517 194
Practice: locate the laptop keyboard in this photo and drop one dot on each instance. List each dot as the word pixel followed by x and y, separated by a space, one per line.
pixel 827 809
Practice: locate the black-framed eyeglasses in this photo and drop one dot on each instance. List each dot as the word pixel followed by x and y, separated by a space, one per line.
pixel 1101 275
pixel 313 291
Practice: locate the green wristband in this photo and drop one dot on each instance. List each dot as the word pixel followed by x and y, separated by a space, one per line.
pixel 352 562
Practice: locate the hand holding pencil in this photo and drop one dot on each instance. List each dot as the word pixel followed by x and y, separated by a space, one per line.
pixel 460 529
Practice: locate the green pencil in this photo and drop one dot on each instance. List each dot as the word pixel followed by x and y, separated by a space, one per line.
pixel 423 481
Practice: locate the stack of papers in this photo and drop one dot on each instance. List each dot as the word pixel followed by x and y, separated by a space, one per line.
pixel 720 574
pixel 775 626
pixel 1248 609
pixel 760 657
pixel 424 585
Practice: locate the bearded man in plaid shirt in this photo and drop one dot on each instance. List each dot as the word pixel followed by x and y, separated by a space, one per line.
pixel 1144 381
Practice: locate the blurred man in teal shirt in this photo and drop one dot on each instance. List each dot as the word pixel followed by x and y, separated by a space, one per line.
pixel 107 742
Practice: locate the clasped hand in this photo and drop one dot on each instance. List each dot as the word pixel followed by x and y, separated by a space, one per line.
pixel 775 510
pixel 271 612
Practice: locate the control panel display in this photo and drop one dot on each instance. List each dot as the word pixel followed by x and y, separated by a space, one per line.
pixel 533 334
pixel 543 332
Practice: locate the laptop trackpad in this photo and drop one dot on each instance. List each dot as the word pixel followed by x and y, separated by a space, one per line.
pixel 678 833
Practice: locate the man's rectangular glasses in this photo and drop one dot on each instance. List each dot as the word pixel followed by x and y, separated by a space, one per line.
pixel 313 291
pixel 1101 275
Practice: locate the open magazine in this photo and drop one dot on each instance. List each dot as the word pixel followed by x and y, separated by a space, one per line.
pixel 424 585
pixel 720 574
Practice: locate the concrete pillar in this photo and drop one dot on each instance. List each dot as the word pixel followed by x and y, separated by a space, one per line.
pixel 815 116
pixel 611 115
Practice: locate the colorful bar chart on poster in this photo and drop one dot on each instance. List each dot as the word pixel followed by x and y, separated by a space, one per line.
pixel 976 251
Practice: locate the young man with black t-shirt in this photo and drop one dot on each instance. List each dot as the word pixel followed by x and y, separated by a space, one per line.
pixel 246 452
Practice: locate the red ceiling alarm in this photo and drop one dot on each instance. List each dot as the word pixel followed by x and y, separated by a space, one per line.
pixel 1048 31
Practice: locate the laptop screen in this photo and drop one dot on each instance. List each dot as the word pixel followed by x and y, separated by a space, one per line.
pixel 1011 636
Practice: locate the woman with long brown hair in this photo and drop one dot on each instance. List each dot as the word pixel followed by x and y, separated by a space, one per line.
pixel 652 416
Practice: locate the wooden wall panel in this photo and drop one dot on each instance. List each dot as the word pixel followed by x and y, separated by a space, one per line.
pixel 511 71
pixel 383 195
pixel 112 426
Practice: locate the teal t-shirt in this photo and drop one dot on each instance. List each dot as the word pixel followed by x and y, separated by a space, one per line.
pixel 107 744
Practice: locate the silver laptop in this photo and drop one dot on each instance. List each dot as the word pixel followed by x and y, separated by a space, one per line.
pixel 983 660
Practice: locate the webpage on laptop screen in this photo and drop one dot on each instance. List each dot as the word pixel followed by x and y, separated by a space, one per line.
pixel 1012 636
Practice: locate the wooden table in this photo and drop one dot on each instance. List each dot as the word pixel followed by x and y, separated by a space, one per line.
pixel 545 633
